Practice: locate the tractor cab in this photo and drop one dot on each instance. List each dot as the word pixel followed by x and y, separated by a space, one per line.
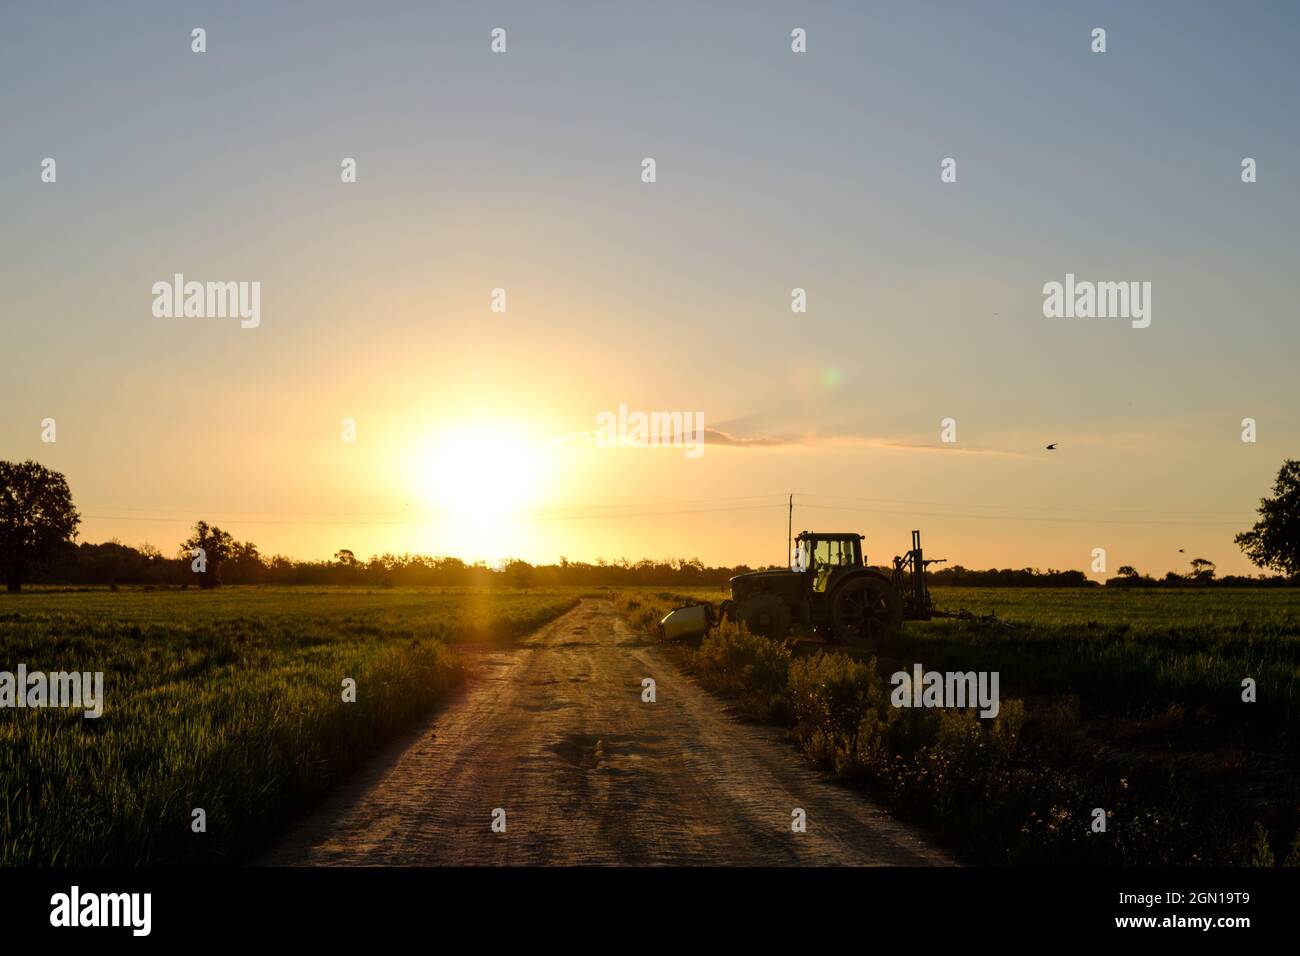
pixel 822 555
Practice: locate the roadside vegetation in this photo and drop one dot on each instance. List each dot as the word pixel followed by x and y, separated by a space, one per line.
pixel 1127 700
pixel 230 701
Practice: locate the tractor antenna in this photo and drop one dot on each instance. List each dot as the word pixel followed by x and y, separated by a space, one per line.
pixel 789 534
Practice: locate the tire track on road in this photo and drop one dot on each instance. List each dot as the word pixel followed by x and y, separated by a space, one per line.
pixel 553 730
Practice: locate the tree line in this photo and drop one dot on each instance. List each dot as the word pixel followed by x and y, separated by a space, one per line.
pixel 38 525
pixel 114 563
pixel 1201 574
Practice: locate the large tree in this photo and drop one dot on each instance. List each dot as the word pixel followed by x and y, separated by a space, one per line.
pixel 36 518
pixel 1274 542
pixel 206 548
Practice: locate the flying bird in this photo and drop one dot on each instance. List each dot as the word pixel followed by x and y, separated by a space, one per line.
pixel 1052 447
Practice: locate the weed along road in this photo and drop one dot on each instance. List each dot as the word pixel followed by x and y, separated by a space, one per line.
pixel 555 738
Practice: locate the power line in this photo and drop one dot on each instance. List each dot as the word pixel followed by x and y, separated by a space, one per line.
pixel 613 512
pixel 161 514
pixel 424 518
pixel 1045 519
pixel 645 514
pixel 184 512
pixel 951 504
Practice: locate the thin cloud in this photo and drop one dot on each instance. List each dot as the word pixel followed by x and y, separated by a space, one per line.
pixel 968 449
pixel 718 438
pixel 714 436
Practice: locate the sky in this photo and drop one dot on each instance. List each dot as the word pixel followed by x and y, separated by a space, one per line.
pixel 475 430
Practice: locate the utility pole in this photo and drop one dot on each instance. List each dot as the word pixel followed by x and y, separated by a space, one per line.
pixel 789 535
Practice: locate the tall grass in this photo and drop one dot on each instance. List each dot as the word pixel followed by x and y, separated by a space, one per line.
pixel 1089 680
pixel 230 702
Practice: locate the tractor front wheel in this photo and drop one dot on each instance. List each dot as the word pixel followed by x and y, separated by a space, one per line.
pixel 866 609
pixel 766 615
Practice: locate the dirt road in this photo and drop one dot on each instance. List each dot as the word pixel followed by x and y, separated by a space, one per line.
pixel 554 732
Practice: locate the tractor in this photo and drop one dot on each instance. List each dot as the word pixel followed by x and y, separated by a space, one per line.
pixel 829 587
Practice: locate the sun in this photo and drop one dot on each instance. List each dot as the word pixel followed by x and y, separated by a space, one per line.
pixel 478 478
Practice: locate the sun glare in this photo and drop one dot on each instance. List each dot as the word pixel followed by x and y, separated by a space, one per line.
pixel 477 479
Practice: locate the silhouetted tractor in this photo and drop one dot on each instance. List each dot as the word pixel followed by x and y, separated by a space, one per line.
pixel 829 587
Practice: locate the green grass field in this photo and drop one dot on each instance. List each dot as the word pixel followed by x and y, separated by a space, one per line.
pixel 1186 647
pixel 1249 608
pixel 1126 700
pixel 229 701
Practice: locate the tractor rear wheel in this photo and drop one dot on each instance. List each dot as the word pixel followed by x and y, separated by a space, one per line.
pixel 766 615
pixel 866 609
